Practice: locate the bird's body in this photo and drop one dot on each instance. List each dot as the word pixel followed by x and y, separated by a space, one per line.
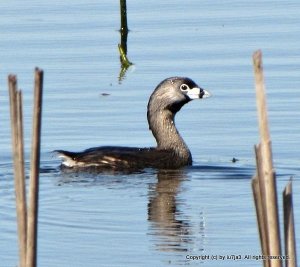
pixel 171 151
pixel 119 158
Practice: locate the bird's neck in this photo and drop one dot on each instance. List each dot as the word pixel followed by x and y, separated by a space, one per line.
pixel 166 134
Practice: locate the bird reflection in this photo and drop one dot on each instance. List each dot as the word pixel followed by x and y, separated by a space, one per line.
pixel 175 226
pixel 169 224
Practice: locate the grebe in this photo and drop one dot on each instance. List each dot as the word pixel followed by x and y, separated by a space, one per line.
pixel 171 151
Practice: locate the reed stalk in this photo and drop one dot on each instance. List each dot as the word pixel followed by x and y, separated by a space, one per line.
pixel 260 218
pixel 34 171
pixel 266 173
pixel 16 114
pixel 289 228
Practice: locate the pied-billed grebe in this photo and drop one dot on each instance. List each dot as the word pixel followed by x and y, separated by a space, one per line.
pixel 171 151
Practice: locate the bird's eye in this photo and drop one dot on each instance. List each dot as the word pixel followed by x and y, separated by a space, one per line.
pixel 184 87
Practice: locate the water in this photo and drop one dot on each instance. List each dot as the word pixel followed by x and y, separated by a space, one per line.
pixel 150 218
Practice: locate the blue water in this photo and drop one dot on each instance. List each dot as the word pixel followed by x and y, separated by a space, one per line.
pixel 150 218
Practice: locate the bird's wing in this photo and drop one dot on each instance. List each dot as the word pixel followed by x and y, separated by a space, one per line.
pixel 116 157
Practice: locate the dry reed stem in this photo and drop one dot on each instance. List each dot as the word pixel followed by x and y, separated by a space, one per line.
pixel 260 218
pixel 289 229
pixel 16 115
pixel 266 174
pixel 34 171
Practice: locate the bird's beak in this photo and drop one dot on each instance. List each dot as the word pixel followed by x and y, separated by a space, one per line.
pixel 196 93
pixel 204 93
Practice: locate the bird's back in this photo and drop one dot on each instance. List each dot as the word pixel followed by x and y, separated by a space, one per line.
pixel 121 158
